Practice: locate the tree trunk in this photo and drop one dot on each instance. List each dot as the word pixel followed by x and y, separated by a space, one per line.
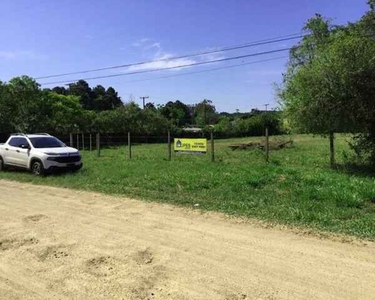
pixel 332 149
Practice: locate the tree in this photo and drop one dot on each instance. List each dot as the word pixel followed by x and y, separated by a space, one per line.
pixel 330 89
pixel 66 113
pixel 205 113
pixel 177 112
pixel 8 109
pixel 83 90
pixel 60 90
pixel 150 105
pixel 111 99
pixel 98 98
pixel 371 3
pixel 30 107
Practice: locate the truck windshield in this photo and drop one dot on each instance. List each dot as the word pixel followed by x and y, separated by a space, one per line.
pixel 46 142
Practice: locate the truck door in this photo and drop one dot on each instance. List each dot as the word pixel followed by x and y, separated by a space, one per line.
pixel 10 151
pixel 22 153
pixel 16 154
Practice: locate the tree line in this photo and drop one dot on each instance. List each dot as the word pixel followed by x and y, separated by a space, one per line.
pixel 25 107
pixel 329 84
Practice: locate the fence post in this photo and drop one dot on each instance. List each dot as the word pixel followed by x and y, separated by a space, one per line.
pixel 212 147
pixel 90 142
pixel 83 141
pixel 98 143
pixel 130 146
pixel 169 146
pixel 332 149
pixel 78 141
pixel 267 146
pixel 71 139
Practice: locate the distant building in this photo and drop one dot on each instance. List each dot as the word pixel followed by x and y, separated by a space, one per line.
pixel 192 129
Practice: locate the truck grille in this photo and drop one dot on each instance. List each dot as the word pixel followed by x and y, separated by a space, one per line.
pixel 67 159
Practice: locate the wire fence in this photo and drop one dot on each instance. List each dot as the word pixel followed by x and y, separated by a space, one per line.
pixel 96 142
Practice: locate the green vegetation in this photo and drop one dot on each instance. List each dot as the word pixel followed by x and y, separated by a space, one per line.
pixel 297 187
pixel 328 86
pixel 25 107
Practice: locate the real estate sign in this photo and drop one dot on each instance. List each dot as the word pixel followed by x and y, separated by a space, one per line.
pixel 192 146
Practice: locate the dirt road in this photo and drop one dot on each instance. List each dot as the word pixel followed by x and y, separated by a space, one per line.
pixel 63 244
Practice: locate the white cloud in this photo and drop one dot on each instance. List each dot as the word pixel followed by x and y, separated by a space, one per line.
pixel 140 42
pixel 153 51
pixel 163 63
pixel 153 45
pixel 11 55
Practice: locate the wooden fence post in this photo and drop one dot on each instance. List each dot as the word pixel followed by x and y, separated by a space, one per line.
pixel 212 147
pixel 267 146
pixel 78 141
pixel 169 146
pixel 332 149
pixel 130 146
pixel 71 140
pixel 98 143
pixel 90 142
pixel 83 141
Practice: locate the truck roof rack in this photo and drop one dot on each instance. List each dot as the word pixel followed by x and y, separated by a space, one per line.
pixel 43 133
pixel 18 133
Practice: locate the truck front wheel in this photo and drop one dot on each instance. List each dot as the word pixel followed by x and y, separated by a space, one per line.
pixel 37 168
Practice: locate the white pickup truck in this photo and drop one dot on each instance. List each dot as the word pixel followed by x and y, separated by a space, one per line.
pixel 38 153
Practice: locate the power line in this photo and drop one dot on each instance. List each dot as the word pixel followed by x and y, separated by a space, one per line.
pixel 170 68
pixel 236 47
pixel 204 71
pixel 210 70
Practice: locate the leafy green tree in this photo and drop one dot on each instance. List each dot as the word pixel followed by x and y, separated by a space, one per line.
pixel 205 113
pixel 224 127
pixel 31 109
pixel 331 89
pixel 177 112
pixel 112 99
pixel 150 106
pixel 98 95
pixel 8 109
pixel 82 89
pixel 60 90
pixel 66 113
pixel 371 3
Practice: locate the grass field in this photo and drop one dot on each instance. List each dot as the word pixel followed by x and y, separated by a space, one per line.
pixel 295 188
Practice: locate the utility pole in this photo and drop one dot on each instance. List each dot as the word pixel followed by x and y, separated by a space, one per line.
pixel 266 105
pixel 144 103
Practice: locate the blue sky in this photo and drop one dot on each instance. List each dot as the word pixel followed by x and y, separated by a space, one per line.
pixel 50 37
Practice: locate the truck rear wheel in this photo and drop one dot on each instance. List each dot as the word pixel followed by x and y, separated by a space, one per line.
pixel 37 168
pixel 2 167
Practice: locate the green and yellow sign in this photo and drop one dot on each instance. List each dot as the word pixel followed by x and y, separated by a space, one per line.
pixel 192 146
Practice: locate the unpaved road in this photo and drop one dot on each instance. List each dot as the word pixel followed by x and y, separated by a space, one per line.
pixel 63 244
